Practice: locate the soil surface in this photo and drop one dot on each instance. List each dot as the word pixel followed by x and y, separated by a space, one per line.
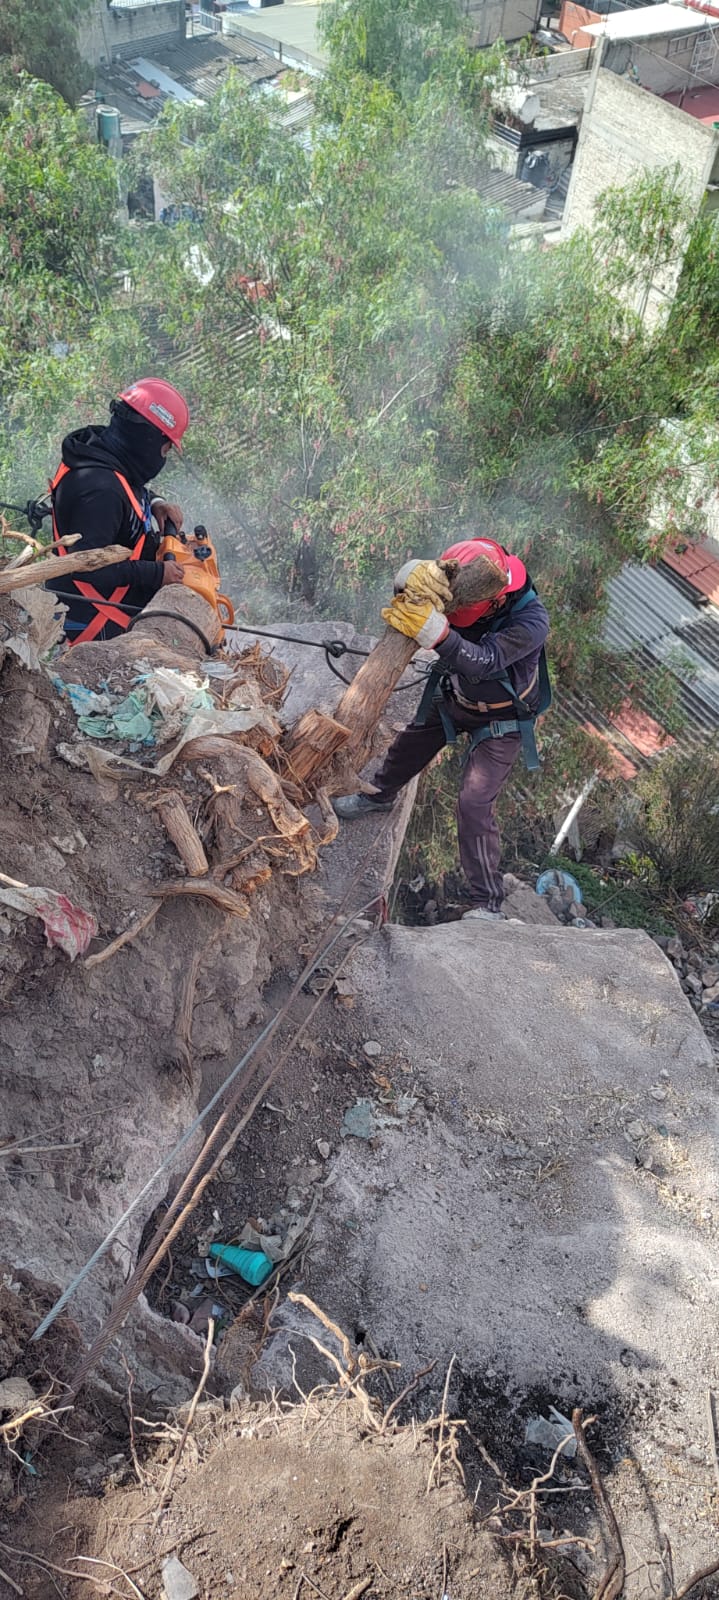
pixel 280 1503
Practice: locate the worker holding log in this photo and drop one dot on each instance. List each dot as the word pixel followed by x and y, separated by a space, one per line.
pixel 478 610
pixel 99 491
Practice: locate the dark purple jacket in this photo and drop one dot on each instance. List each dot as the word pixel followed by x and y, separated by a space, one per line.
pixel 475 658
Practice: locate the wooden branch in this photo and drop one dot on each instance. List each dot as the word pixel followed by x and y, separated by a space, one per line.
pixel 697 1578
pixel 329 817
pixel 181 1051
pixel 175 818
pixel 611 1584
pixel 123 938
pixel 60 566
pixel 225 899
pixel 312 742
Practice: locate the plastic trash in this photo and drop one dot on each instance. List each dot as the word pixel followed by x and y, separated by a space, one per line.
pixel 66 925
pixel 85 702
pixel 252 1265
pixel 548 1433
pixel 554 878
pixel 364 1119
pixel 128 721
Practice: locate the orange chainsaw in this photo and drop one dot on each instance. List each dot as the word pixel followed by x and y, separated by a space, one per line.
pixel 197 556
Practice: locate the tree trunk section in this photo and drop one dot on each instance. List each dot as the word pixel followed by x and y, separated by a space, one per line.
pixel 160 641
pixel 187 607
pixel 312 742
pixel 359 711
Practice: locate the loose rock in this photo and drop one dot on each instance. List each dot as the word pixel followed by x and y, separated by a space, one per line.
pixel 177 1582
pixel 16 1394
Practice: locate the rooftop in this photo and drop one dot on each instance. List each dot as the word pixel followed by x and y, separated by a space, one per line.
pixel 180 70
pixel 290 29
pixel 649 22
pixel 562 100
pixel 700 103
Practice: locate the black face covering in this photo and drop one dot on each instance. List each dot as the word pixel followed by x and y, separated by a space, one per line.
pixel 137 442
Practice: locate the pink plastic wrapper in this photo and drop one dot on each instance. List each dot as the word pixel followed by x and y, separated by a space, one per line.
pixel 66 926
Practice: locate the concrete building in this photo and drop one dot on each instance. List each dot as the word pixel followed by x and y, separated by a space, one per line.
pixel 647 110
pixel 662 47
pixel 114 30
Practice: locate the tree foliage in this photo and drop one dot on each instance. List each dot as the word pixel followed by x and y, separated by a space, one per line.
pixel 397 43
pixel 40 37
pixel 58 204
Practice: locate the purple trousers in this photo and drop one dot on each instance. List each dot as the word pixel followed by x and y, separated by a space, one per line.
pixel 485 773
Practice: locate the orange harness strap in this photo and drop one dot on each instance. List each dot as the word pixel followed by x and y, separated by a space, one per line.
pixel 104 604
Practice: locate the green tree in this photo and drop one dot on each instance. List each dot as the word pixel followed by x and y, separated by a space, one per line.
pixel 40 37
pixel 58 219
pixel 398 43
pixel 66 337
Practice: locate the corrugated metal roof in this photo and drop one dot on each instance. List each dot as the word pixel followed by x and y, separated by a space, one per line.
pixel 643 608
pixel 653 619
pixel 501 189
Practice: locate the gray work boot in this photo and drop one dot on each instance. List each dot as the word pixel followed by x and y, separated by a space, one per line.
pixel 351 806
pixel 481 914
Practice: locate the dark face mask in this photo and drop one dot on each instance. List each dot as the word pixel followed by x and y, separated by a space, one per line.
pixel 136 442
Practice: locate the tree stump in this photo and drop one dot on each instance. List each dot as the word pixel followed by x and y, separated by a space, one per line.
pixel 161 641
pixel 312 742
pixel 177 632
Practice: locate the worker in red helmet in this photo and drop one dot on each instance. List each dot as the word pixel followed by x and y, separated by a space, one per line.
pixel 477 608
pixel 100 491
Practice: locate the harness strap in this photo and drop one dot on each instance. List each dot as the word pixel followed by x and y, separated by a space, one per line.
pixel 524 726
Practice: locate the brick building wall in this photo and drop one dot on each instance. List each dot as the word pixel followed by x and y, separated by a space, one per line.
pixel 572 19
pixel 112 31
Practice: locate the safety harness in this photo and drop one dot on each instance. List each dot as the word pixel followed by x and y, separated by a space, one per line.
pixel 439 688
pixel 105 606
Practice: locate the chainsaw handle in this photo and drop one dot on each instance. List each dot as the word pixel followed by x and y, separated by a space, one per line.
pixel 224 605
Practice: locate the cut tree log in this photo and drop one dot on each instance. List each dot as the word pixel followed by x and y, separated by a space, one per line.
pixel 172 616
pixel 312 742
pixel 358 712
pixel 60 567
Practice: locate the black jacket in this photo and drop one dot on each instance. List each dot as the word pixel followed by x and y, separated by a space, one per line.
pixel 90 501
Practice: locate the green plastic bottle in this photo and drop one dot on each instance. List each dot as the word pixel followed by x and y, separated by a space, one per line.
pixel 252 1265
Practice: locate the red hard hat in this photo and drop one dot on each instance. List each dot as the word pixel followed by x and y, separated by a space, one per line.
pixel 161 405
pixel 467 550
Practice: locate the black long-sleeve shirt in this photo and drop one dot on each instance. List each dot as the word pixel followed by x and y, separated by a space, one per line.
pixel 91 501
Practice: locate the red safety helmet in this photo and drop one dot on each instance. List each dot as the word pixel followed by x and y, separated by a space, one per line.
pixel 467 550
pixel 162 405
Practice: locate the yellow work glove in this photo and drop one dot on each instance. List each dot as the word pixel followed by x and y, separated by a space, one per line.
pixel 424 580
pixel 416 619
